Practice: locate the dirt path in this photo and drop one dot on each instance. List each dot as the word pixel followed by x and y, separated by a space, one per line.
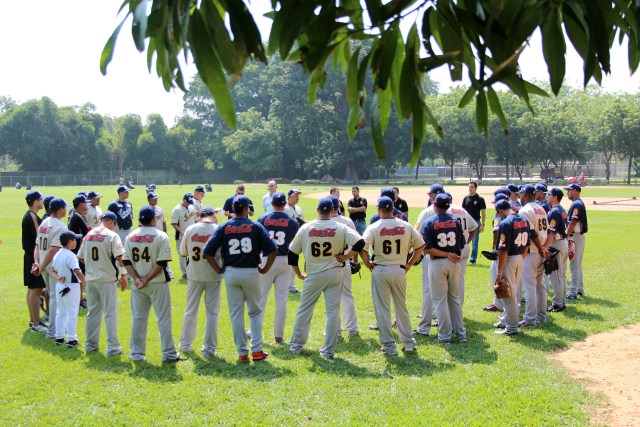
pixel 609 364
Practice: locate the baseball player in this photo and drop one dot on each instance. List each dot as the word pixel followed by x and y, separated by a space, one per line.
pixel 182 216
pixel 35 284
pixel 469 229
pixel 47 245
pixel 266 199
pixel 147 254
pixel 513 197
pixel 389 241
pixel 198 195
pixel 557 238
pixel 541 196
pixel 94 212
pixel 294 211
pixel 476 206
pixel 444 240
pixel 241 241
pixel 228 204
pixel 493 268
pixel 282 229
pixel 161 221
pixel 101 252
pixel 513 245
pixel 79 224
pixel 577 227
pixel 388 192
pixel 124 212
pixel 201 278
pixel 322 242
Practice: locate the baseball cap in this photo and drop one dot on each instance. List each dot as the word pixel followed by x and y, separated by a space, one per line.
pixel 83 193
pixel 109 215
pixel 208 211
pixel 385 202
pixel 502 190
pixel 79 199
pixel 575 187
pixel 92 195
pixel 541 186
pixel 498 197
pixel 436 189
pixel 57 203
pixel 442 201
pixel 503 205
pixel 188 197
pixel 335 201
pixel 527 189
pixel 47 201
pixel 146 214
pixel 151 195
pixel 241 202
pixel 67 236
pixel 513 188
pixel 199 189
pixel 388 192
pixel 122 189
pixel 279 199
pixel 325 205
pixel 556 192
pixel 32 196
pixel 293 191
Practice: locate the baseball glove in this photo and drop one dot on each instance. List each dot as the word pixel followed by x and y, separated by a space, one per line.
pixel 410 255
pixel 355 267
pixel 572 249
pixel 502 288
pixel 490 255
pixel 551 264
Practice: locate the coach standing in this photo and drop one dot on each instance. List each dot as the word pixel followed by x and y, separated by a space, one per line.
pixel 35 284
pixel 124 212
pixel 357 208
pixel 476 206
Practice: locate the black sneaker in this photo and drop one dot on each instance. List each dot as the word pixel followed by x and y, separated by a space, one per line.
pixel 59 341
pixel 71 344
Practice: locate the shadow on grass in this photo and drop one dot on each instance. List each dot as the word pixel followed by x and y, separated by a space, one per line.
pixel 588 300
pixel 254 371
pixel 114 364
pixel 476 349
pixel 165 373
pixel 38 341
pixel 336 366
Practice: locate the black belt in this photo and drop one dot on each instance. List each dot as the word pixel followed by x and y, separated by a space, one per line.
pixel 359 220
pixel 125 229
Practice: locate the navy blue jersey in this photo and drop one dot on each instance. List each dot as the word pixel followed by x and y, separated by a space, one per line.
pixel 578 212
pixel 515 206
pixel 240 241
pixel 396 213
pixel 228 204
pixel 444 232
pixel 281 228
pixel 544 204
pixel 124 213
pixel 513 235
pixel 558 221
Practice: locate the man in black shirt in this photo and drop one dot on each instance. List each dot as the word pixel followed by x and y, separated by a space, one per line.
pixel 35 284
pixel 475 205
pixel 400 204
pixel 357 208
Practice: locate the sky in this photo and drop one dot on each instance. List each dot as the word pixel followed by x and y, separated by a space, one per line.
pixel 52 48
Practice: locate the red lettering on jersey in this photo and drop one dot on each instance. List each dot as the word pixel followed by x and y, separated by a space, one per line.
pixel 280 222
pixel 445 224
pixel 233 229
pixel 44 230
pixel 96 237
pixel 327 232
pixel 520 224
pixel 539 211
pixel 398 215
pixel 395 231
pixel 457 211
pixel 200 238
pixel 142 238
pixel 564 215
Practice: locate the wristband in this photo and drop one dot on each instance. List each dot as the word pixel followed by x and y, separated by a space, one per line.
pixel 123 270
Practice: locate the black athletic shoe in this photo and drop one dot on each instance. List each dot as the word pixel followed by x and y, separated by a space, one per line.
pixel 59 341
pixel 71 344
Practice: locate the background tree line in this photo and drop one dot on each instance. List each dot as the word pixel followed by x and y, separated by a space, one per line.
pixel 280 135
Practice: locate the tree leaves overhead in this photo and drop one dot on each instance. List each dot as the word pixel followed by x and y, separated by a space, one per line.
pixel 480 40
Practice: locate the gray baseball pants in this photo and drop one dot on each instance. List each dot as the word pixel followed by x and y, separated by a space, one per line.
pixel 424 327
pixel 464 255
pixel 243 286
pixel 195 289
pixel 53 305
pixel 390 282
pixel 575 265
pixel 329 283
pixel 279 275
pixel 444 276
pixel 513 273
pixel 493 274
pixel 535 309
pixel 102 297
pixel 559 277
pixel 348 303
pixel 155 294
pixel 181 259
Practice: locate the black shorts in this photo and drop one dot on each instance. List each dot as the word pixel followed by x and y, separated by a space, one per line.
pixel 31 281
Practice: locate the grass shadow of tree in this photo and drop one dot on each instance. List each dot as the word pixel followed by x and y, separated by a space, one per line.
pixel 38 341
pixel 116 364
pixel 256 371
pixel 164 373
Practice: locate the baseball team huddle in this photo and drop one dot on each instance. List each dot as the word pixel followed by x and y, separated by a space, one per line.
pixel 88 259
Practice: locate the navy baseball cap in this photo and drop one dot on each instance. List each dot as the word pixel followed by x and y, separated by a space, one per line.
pixel 109 215
pixel 335 201
pixel 503 205
pixel 199 189
pixel 442 201
pixel 47 201
pixel 527 189
pixel 388 192
pixel 151 195
pixel 188 197
pixel 146 214
pixel 513 188
pixel 241 202
pixel 92 195
pixel 325 205
pixel 556 192
pixel 208 211
pixel 575 187
pixel 79 199
pixel 56 204
pixel 32 196
pixel 67 236
pixel 385 202
pixel 122 189
pixel 279 199
pixel 436 189
pixel 502 190
pixel 498 197
pixel 293 191
pixel 541 186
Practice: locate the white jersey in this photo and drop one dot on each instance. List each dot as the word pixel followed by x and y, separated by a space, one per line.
pixel 390 240
pixel 466 221
pixel 424 216
pixel 537 219
pixel 160 219
pixel 144 248
pixel 349 223
pixel 197 205
pixel 183 216
pixel 294 212
pixel 320 241
pixel 93 215
pixel 48 236
pixel 65 263
pixel 99 250
pixel 192 247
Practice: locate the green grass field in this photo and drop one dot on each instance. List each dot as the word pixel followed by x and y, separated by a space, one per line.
pixel 491 380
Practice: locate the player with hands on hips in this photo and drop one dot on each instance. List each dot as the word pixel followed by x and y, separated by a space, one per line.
pixel 469 229
pixel 241 241
pixel 557 239
pixel 390 240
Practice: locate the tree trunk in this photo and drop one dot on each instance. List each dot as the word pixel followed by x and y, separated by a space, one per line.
pixel 350 173
pixel 507 169
pixel 629 170
pixel 417 168
pixel 451 170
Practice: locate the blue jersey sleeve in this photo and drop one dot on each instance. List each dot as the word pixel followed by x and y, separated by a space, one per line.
pixel 214 243
pixel 427 235
pixel 374 218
